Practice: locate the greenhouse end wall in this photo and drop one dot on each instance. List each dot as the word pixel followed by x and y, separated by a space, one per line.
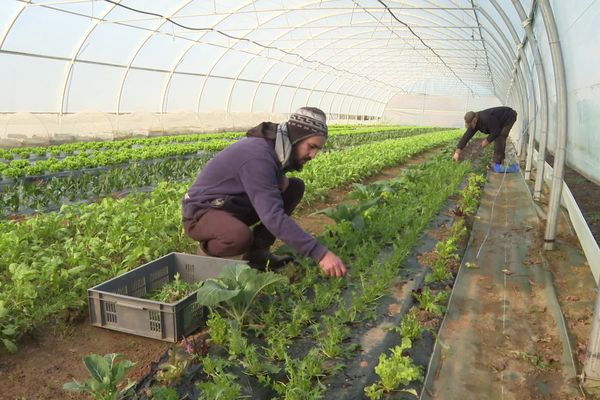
pixel 27 129
pixel 433 110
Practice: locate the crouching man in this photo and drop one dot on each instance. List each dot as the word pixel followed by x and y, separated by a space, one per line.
pixel 241 200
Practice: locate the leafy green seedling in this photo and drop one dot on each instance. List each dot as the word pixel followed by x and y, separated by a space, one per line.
pixel 174 369
pixel 173 291
pixel 106 377
pixel 235 289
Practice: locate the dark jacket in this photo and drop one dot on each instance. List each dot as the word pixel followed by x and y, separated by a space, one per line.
pixel 244 179
pixel 491 122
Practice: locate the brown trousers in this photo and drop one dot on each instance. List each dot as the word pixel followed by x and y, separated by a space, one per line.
pixel 225 233
pixel 500 142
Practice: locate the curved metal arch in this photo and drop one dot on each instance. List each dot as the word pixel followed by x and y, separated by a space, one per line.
pixel 542 86
pixel 437 16
pixel 353 97
pixel 531 123
pixel 346 37
pixel 500 54
pixel 380 59
pixel 507 50
pixel 325 92
pixel 83 40
pixel 242 69
pixel 285 77
pixel 364 109
pixel 139 48
pixel 402 39
pixel 351 103
pixel 304 78
pixel 319 49
pixel 335 94
pixel 350 84
pixel 456 76
pixel 294 48
pixel 270 68
pixel 239 73
pixel 313 71
pixel 167 84
pixel 9 27
pixel 433 12
pixel 518 71
pixel 300 43
pixel 374 100
pixel 323 77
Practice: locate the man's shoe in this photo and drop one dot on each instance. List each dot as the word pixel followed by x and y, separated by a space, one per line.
pixel 499 168
pixel 200 250
pixel 261 258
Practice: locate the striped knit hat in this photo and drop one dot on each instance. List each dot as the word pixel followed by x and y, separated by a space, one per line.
pixel 306 122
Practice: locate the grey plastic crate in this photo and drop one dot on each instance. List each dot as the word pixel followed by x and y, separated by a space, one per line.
pixel 118 303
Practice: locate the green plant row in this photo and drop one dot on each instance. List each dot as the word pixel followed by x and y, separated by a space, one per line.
pixel 67 149
pixel 305 376
pixel 355 137
pixel 316 313
pixel 47 262
pixel 42 195
pixel 23 168
pixel 123 154
pixel 356 163
pixel 29 193
pixel 314 309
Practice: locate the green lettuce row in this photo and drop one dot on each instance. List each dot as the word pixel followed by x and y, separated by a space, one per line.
pixel 94 146
pixel 352 165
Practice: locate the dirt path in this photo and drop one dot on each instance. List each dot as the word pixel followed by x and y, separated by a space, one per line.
pixel 502 337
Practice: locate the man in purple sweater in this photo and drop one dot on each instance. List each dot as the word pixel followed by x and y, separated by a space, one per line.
pixel 242 200
pixel 496 122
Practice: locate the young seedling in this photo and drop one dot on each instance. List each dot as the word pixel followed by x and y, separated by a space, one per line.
pixel 173 291
pixel 106 377
pixel 410 327
pixel 217 326
pixel 395 371
pixel 235 289
pixel 430 302
pixel 172 371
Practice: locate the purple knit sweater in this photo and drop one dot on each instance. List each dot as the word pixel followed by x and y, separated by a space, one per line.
pixel 250 167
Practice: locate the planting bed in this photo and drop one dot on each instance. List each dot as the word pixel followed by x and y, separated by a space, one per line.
pixel 307 345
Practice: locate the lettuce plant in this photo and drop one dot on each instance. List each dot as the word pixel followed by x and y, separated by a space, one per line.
pixel 394 371
pixel 106 377
pixel 235 289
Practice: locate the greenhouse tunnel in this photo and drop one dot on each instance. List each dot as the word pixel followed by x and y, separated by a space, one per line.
pixel 108 70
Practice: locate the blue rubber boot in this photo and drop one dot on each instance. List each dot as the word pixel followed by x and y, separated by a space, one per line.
pixel 499 168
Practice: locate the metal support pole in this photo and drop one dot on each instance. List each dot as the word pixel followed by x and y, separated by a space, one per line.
pixel 539 68
pixel 561 134
pixel 528 126
pixel 591 369
pixel 518 75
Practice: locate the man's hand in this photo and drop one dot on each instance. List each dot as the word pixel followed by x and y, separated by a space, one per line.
pixel 332 265
pixel 284 184
pixel 484 143
pixel 456 156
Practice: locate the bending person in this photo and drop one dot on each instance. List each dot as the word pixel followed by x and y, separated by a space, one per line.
pixel 496 122
pixel 242 200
